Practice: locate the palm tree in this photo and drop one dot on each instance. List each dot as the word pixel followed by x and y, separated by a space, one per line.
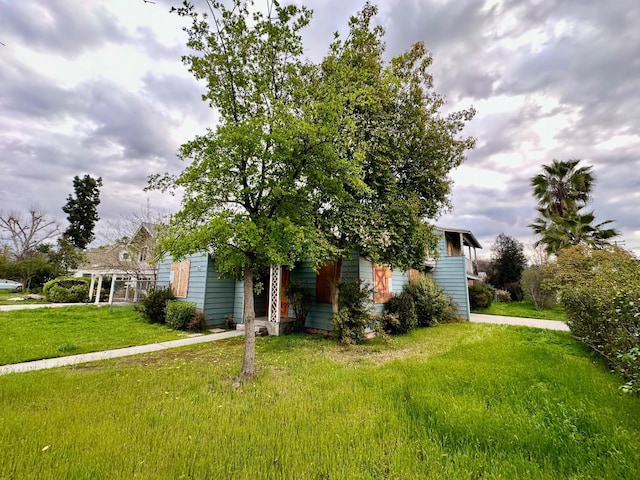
pixel 562 191
pixel 563 187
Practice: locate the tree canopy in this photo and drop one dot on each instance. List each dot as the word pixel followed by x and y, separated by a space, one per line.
pixel 308 161
pixel 392 127
pixel 82 211
pixel 507 264
pixel 563 190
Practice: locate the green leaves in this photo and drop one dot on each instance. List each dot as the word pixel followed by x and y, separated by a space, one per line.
pixel 563 190
pixel 82 210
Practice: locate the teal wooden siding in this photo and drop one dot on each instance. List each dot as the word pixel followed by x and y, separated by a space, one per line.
pixel 219 296
pixel 197 280
pixel 212 295
pixel 319 313
pixel 238 302
pixel 164 269
pixel 442 245
pixel 450 275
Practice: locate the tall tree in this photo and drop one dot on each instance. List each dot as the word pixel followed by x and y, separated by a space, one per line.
pixel 390 120
pixel 82 211
pixel 562 191
pixel 255 179
pixel 507 263
pixel 308 161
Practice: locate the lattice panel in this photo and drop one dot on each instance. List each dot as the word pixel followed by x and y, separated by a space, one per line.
pixel 274 293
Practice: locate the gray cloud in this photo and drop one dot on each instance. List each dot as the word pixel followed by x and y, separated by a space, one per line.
pixel 587 65
pixel 61 27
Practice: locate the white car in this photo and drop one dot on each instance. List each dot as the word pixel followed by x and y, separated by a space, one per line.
pixel 9 284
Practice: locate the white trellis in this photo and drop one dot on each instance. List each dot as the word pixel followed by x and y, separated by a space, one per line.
pixel 274 293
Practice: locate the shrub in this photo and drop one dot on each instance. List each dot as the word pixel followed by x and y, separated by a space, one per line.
pixel 67 290
pixel 503 296
pixel 153 307
pixel 402 307
pixel 536 286
pixel 300 300
pixel 480 296
pixel 198 322
pixel 354 312
pixel 179 314
pixel 515 290
pixel 600 292
pixel 432 305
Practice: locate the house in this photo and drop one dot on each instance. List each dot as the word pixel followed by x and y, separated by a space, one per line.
pixel 456 268
pixel 196 280
pixel 127 262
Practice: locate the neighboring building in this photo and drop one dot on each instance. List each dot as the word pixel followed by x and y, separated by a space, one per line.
pixel 456 267
pixel 128 261
pixel 196 280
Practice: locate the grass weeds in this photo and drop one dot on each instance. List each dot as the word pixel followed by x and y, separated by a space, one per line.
pixel 55 332
pixel 456 401
pixel 524 309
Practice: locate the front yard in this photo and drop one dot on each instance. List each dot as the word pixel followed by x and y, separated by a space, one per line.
pixel 456 401
pixel 56 332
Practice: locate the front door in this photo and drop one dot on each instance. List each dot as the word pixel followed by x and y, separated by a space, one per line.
pixel 284 301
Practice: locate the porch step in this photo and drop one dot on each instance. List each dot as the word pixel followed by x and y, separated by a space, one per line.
pixel 260 328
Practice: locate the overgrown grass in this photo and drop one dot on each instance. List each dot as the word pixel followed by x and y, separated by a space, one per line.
pixel 456 401
pixel 57 332
pixel 524 309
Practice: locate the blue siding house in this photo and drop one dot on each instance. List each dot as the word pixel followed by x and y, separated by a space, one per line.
pixel 195 279
pixel 456 268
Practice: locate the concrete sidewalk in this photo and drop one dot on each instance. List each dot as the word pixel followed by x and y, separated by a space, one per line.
pixel 525 322
pixel 120 352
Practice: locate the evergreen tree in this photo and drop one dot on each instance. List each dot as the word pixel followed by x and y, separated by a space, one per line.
pixel 507 263
pixel 82 211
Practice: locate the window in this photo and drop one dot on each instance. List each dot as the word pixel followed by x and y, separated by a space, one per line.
pixel 382 283
pixel 143 254
pixel 179 278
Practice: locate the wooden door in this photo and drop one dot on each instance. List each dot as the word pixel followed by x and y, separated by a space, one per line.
pixel 284 301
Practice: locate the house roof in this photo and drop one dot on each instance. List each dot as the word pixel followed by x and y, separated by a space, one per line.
pixel 468 236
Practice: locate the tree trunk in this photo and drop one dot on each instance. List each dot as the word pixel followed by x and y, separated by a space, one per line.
pixel 249 317
pixel 335 291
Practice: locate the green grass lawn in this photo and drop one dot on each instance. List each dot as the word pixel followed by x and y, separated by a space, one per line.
pixel 457 401
pixel 524 309
pixel 5 297
pixel 55 332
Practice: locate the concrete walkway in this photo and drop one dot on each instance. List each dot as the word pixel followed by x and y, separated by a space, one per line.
pixel 120 352
pixel 525 322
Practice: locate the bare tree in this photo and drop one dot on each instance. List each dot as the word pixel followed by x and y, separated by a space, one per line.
pixel 24 233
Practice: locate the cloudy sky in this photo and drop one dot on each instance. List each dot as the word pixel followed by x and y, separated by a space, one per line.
pixel 98 88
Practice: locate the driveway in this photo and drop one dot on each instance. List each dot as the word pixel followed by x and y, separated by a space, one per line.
pixel 525 322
